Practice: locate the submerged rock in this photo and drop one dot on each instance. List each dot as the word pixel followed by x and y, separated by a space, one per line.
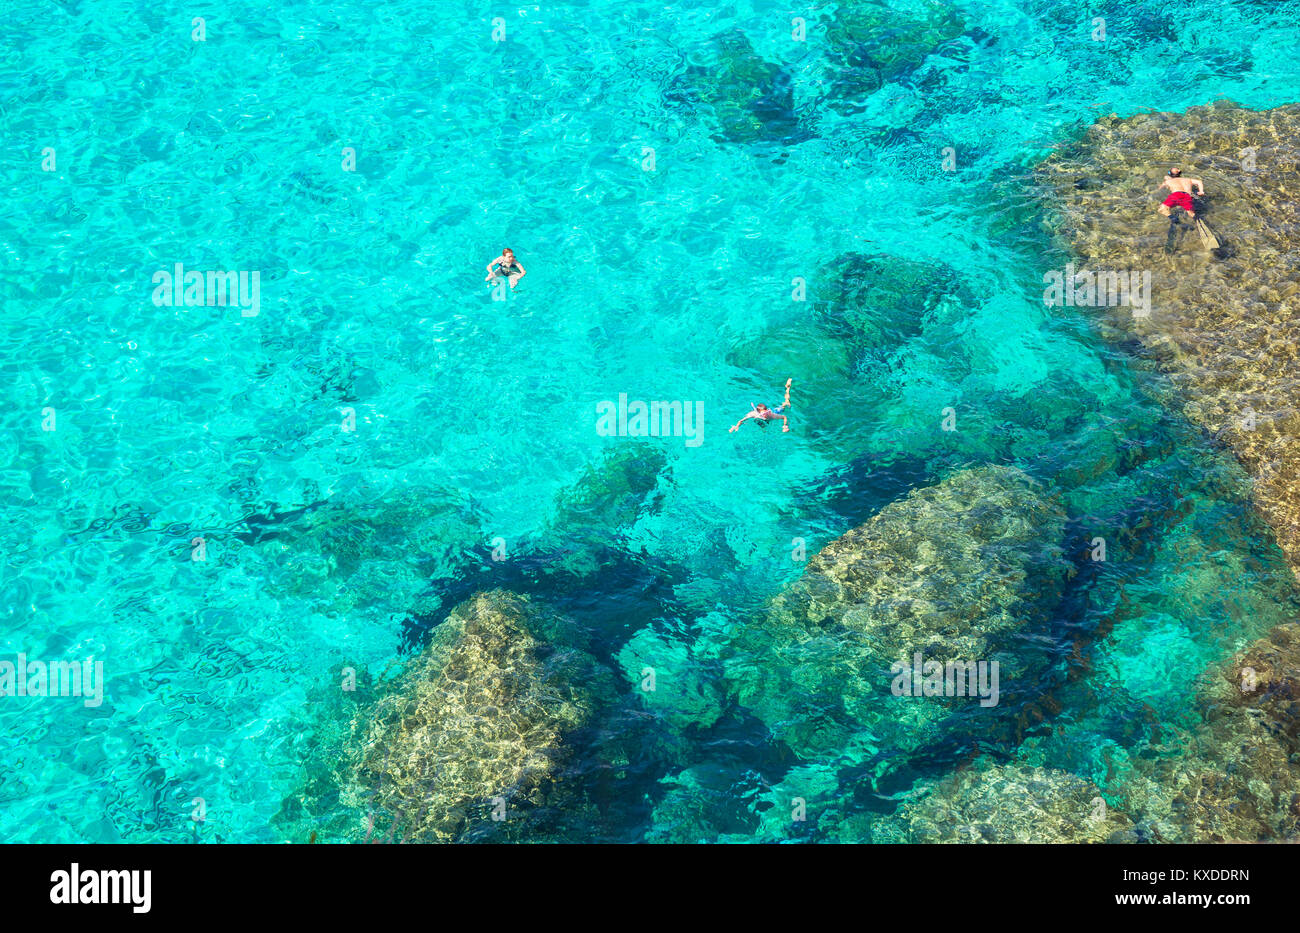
pixel 352 553
pixel 1221 324
pixel 873 43
pixel 704 803
pixel 417 551
pixel 602 505
pixel 879 302
pixel 583 534
pixel 1226 781
pixel 1233 776
pixel 1246 792
pixel 671 680
pixel 960 571
pixel 813 803
pixel 611 492
pixel 322 730
pixel 813 351
pixel 752 100
pixel 842 347
pixel 829 403
pixel 477 721
pixel 1264 680
pixel 1241 783
pixel 1014 803
pixel 942 571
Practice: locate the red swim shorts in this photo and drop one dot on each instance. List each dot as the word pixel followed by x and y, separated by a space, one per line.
pixel 1180 199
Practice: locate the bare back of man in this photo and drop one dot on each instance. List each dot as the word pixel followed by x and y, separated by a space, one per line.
pixel 1180 192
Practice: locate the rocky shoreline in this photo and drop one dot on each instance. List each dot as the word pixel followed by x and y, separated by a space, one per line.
pixel 1224 328
pixel 1224 325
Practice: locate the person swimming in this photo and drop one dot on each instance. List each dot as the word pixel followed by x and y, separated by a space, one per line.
pixel 1181 190
pixel 505 266
pixel 763 414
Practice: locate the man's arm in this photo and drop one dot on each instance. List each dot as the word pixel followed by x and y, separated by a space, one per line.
pixel 493 263
pixel 1163 184
pixel 1196 183
pixel 742 421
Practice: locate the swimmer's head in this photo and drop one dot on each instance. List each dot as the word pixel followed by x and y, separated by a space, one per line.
pixel 508 252
pixel 1175 172
pixel 760 407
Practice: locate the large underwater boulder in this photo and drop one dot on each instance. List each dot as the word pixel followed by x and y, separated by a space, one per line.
pixel 940 571
pixel 1221 324
pixel 487 705
pixel 961 571
pixel 482 713
pixel 476 722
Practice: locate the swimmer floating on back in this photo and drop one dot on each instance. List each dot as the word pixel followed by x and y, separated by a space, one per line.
pixel 505 266
pixel 762 414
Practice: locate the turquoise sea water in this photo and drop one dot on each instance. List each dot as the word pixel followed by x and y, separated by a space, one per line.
pixel 173 423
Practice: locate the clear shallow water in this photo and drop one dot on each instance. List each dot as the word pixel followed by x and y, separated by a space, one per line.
pixel 176 422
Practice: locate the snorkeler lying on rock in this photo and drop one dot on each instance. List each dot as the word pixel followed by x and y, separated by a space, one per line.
pixel 762 414
pixel 1181 191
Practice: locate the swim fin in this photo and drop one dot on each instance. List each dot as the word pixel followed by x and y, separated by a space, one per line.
pixel 1208 239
